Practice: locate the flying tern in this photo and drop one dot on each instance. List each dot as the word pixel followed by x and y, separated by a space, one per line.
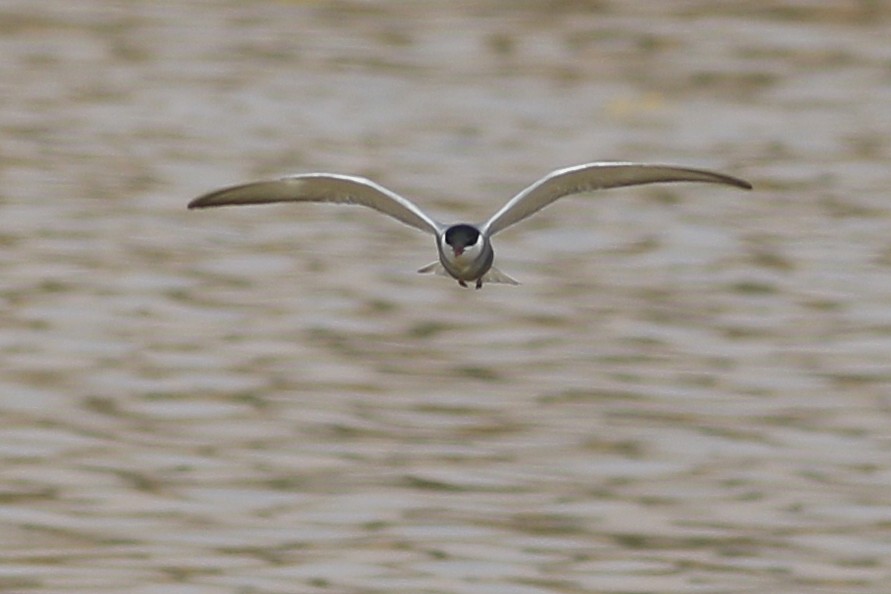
pixel 465 249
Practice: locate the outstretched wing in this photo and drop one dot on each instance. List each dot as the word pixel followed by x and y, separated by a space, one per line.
pixel 595 176
pixel 323 187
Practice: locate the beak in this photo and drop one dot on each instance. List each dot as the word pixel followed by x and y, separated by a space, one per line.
pixel 458 251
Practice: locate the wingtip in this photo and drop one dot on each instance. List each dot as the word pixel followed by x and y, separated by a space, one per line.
pixel 200 202
pixel 732 181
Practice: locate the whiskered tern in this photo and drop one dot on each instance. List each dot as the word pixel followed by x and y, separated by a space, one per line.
pixel 465 250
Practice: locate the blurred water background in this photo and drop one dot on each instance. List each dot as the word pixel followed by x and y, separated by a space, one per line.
pixel 690 392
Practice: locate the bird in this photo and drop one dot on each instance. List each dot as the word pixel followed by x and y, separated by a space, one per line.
pixel 465 250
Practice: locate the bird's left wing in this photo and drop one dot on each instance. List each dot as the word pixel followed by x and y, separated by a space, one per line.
pixel 323 187
pixel 595 176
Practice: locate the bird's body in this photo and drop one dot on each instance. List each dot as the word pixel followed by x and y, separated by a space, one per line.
pixel 466 254
pixel 465 250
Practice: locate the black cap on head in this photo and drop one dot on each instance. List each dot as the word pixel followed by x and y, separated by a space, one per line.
pixel 461 236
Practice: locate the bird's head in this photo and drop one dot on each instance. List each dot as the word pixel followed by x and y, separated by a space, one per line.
pixel 463 240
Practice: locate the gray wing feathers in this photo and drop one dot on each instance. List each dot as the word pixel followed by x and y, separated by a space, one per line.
pixel 323 187
pixel 595 176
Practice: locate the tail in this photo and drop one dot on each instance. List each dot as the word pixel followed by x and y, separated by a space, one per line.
pixel 434 267
pixel 496 276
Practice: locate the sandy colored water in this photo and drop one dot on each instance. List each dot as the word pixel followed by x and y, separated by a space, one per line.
pixel 689 392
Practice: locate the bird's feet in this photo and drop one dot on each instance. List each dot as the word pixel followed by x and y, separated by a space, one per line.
pixel 479 283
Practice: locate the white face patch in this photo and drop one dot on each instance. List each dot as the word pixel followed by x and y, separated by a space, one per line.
pixel 472 251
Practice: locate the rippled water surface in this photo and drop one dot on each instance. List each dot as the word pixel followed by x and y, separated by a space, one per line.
pixel 690 391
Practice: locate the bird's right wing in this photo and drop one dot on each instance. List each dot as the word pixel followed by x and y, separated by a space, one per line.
pixel 323 187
